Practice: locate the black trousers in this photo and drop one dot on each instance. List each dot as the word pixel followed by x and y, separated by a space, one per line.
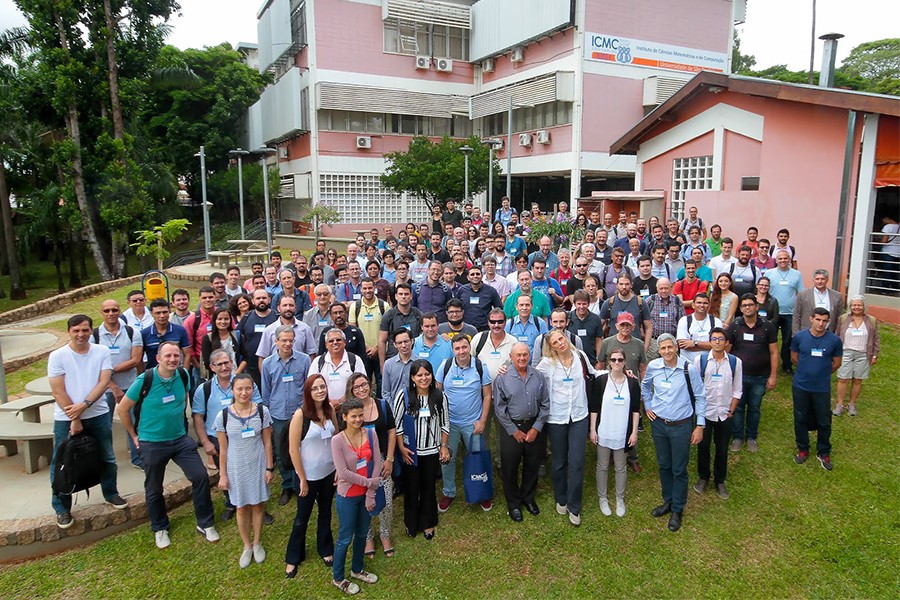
pixel 512 454
pixel 718 432
pixel 419 497
pixel 321 492
pixel 784 325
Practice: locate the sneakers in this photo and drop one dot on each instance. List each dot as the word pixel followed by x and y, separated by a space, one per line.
pixel 162 539
pixel 722 491
pixel 487 505
pixel 700 486
pixel 64 520
pixel 227 514
pixel 444 504
pixel 800 458
pixel 620 507
pixel 210 533
pixel 364 576
pixel 752 446
pixel 246 558
pixel 259 554
pixel 736 445
pixel 346 586
pixel 838 410
pixel 561 509
pixel 604 507
pixel 574 519
pixel 117 501
pixel 825 461
pixel 851 410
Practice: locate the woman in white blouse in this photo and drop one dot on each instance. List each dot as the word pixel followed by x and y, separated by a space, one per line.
pixel 614 419
pixel 566 369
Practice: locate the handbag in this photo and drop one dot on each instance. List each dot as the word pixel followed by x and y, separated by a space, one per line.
pixel 478 478
pixel 380 498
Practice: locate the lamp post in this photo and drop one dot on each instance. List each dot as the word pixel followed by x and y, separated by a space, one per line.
pixel 206 236
pixel 466 150
pixel 491 144
pixel 509 126
pixel 240 154
pixel 264 152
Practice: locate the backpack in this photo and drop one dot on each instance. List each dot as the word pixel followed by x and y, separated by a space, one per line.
pixel 351 358
pixel 128 329
pixel 690 319
pixel 687 380
pixel 145 389
pixel 260 408
pixel 752 270
pixel 78 465
pixel 478 367
pixel 704 359
pixel 197 316
pixel 358 306
pixel 509 324
pixel 284 444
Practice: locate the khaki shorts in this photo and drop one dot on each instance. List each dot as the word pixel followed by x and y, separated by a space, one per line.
pixel 855 365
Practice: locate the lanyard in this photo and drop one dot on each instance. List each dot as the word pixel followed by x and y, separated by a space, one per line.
pixel 285 366
pixel 667 374
pixel 167 384
pixel 243 420
pixel 617 388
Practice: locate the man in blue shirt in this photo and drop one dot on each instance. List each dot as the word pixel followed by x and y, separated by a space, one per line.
pixel 672 410
pixel 432 294
pixel 785 284
pixel 817 353
pixel 283 376
pixel 467 385
pixel 551 259
pixel 525 327
pixel 302 302
pixel 209 400
pixel 504 213
pixel 431 346
pixel 514 244
pixel 163 331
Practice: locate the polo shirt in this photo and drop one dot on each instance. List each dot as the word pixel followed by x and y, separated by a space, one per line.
pixel 162 411
pixel 347 292
pixel 463 389
pixel 540 307
pixel 751 345
pixel 129 318
pixel 784 287
pixel 368 318
pixel 687 291
pixel 435 354
pixel 813 371
pixel 317 322
pixel 394 320
pixel 120 346
pixel 491 356
pixel 587 331
pixel 609 278
pixel 552 260
pixel 433 298
pixel 282 383
pixel 151 340
pixel 218 399
pixel 703 273
pixel 336 376
pixel 635 355
pixel 526 332
pixel 715 247
pixel 515 247
pixel 477 305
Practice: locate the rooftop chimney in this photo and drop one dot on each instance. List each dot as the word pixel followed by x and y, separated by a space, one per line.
pixel 829 58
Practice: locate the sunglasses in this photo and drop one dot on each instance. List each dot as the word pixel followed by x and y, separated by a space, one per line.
pixel 110 310
pixel 617 360
pixel 496 322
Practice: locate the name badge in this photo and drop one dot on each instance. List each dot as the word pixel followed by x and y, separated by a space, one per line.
pixel 717 377
pixel 474 300
pixel 424 412
pixel 287 378
pixel 523 338
pixel 226 401
pixel 360 463
pixel 495 354
pixel 645 292
pixel 568 380
pixel 857 331
pixel 356 296
pixel 665 385
pixel 368 317
pixel 784 282
pixel 247 432
pixel 334 376
pixel 563 281
pixel 763 313
pixel 582 332
pixel 748 337
pixel 818 352
pixel 259 328
pixel 326 434
pixel 458 382
pixel 323 322
pixel 424 354
pixel 739 279
pixel 113 349
pixel 209 327
pixel 407 327
pixel 663 314
pixel 169 398
pixel 618 400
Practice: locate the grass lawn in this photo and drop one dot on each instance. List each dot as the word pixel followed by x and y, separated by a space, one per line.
pixel 788 531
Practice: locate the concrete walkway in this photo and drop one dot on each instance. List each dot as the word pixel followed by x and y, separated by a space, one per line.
pixel 18 343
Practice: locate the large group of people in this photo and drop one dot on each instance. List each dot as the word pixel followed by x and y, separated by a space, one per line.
pixel 362 375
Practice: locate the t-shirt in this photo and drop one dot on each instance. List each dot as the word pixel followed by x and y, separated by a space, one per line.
pixel 784 287
pixel 687 291
pixel 444 329
pixel 752 345
pixel 162 411
pixel 81 373
pixel 639 309
pixel 813 372
pixel 697 331
pixel 588 331
pixel 892 246
pixel 635 355
pixel 720 265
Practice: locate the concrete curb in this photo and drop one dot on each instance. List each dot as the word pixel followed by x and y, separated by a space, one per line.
pixel 23 361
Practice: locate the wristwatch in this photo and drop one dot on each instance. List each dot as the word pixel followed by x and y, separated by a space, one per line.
pixel 89 403
pixel 270 469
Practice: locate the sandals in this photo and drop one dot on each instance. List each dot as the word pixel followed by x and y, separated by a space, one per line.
pixel 347 587
pixel 370 553
pixel 389 551
pixel 329 561
pixel 364 576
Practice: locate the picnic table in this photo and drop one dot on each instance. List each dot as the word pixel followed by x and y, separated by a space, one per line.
pixel 39 387
pixel 251 251
pixel 29 407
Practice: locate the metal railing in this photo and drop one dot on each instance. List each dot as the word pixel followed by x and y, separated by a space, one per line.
pixel 254 230
pixel 883 264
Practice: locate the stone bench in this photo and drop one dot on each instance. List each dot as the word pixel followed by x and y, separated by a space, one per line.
pixel 29 407
pixel 37 439
pixel 220 260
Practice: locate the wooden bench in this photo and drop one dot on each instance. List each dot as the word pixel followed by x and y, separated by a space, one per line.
pixel 29 407
pixel 221 260
pixel 36 438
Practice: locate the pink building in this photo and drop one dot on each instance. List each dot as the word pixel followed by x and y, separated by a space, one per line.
pixel 821 162
pixel 355 79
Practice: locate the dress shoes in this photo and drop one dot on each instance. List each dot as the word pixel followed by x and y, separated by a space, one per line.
pixel 516 515
pixel 661 510
pixel 675 521
pixel 532 508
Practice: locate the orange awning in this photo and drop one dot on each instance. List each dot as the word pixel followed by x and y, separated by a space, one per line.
pixel 887 152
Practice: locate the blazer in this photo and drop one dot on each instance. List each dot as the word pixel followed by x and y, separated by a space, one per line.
pixel 873 340
pixel 806 304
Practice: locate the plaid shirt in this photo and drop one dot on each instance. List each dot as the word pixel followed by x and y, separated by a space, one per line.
pixel 673 309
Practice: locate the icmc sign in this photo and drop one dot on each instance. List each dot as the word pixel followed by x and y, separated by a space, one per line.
pixel 626 51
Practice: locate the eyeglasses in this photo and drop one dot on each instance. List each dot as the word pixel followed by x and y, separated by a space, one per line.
pixel 764 247
pixel 361 386
pixel 717 339
pixel 334 341
pixel 616 360
pixel 110 310
pixel 496 321
pixel 222 363
pixel 138 300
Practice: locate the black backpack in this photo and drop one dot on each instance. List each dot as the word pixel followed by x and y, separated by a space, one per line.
pixel 351 359
pixel 128 329
pixel 78 465
pixel 478 367
pixel 284 445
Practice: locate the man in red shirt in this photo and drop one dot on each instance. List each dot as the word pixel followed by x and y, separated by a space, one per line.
pixel 197 330
pixel 689 287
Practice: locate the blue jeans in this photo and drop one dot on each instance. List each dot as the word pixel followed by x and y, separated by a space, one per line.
pixel 749 409
pixel 100 428
pixel 132 450
pixel 278 429
pixel 448 471
pixel 673 451
pixel 183 451
pixel 353 523
pixel 567 444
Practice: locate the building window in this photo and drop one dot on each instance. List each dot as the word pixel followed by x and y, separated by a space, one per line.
pixel 549 114
pixel 688 174
pixel 438 41
pixel 379 123
pixel 298 22
pixel 749 184
pixel 362 199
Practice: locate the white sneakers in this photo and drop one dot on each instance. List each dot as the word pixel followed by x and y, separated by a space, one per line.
pixel 253 553
pixel 210 533
pixel 620 507
pixel 162 539
pixel 562 509
pixel 604 507
pixel 259 554
pixel 574 519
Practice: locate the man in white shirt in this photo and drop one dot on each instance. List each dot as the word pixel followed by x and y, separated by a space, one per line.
pixel 336 366
pixel 694 329
pixel 492 347
pixel 722 263
pixel 137 315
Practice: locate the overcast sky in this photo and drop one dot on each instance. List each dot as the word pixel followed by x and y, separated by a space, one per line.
pixel 776 31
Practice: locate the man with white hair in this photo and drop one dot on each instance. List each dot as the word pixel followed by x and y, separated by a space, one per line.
pixel 786 284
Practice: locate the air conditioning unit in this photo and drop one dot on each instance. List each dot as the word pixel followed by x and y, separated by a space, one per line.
pixel 363 142
pixel 285 227
pixel 543 136
pixel 444 64
pixel 518 54
pixel 283 152
pixel 487 65
pixel 497 143
pixel 525 139
pixel 423 62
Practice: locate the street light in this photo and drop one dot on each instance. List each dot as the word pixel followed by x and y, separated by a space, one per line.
pixel 264 152
pixel 466 150
pixel 491 144
pixel 206 237
pixel 240 154
pixel 509 144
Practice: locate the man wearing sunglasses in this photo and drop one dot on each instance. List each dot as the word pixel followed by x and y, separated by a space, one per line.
pixel 137 315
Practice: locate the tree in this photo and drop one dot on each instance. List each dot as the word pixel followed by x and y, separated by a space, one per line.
pixel 436 171
pixel 740 63
pixel 152 242
pixel 877 63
